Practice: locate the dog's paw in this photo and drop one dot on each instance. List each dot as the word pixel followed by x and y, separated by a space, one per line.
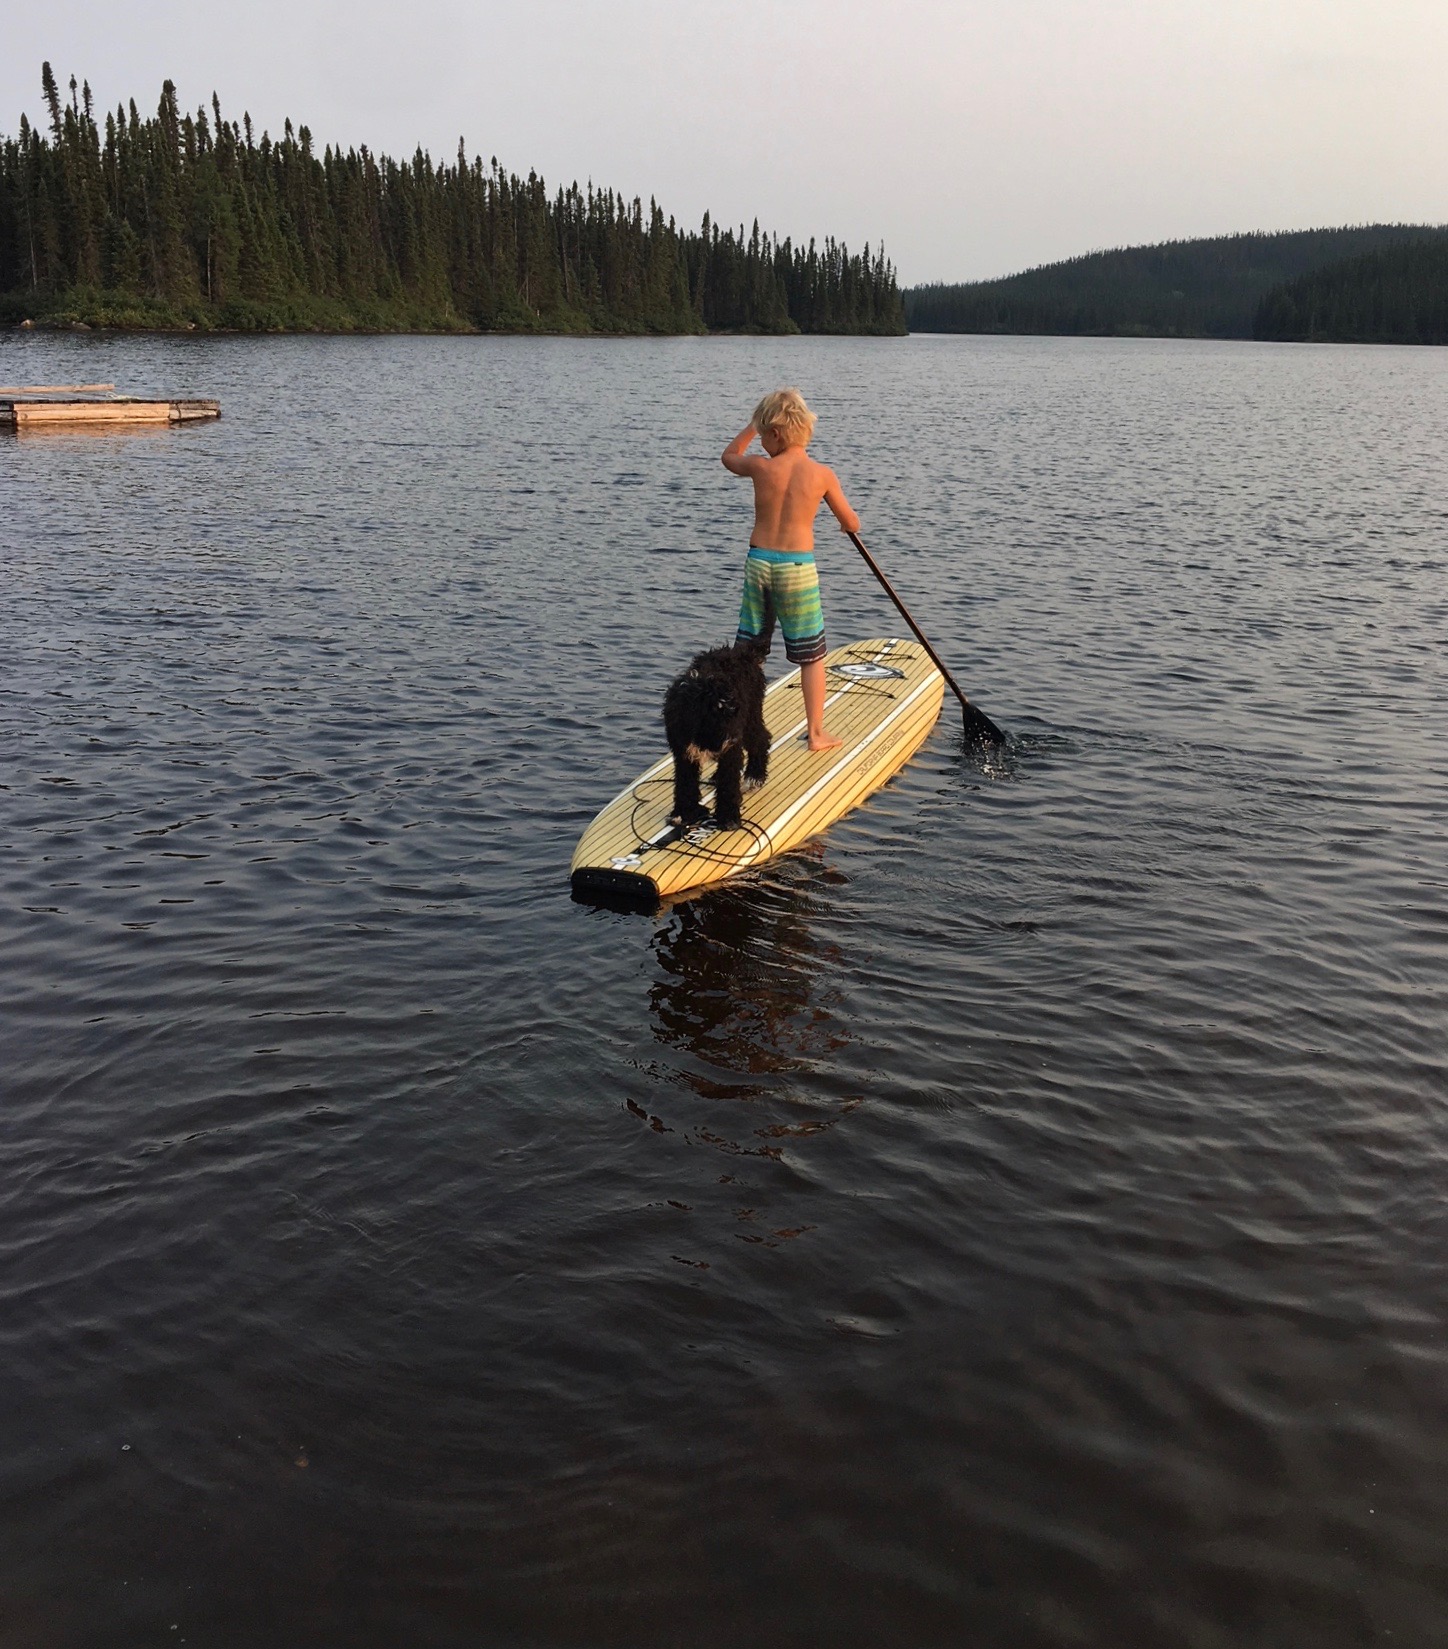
pixel 694 816
pixel 728 821
pixel 752 781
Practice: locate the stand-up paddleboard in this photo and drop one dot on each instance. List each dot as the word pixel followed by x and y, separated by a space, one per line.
pixel 883 698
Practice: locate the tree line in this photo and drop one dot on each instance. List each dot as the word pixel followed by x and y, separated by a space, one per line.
pixel 1398 295
pixel 1209 288
pixel 191 219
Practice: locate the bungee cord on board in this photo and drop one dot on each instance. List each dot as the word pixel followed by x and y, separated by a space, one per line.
pixel 688 841
pixel 694 842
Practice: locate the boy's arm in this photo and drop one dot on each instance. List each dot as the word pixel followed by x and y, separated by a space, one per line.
pixel 733 457
pixel 839 504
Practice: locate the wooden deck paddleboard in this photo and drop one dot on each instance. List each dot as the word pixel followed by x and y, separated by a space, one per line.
pixel 884 697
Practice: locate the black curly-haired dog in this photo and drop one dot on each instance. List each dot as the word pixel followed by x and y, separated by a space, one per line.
pixel 716 708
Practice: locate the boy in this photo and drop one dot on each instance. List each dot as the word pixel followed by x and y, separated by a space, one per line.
pixel 779 572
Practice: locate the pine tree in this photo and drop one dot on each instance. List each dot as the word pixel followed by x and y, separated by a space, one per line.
pixel 196 217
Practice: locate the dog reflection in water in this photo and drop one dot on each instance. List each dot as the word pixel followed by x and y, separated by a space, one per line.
pixel 745 983
pixel 716 708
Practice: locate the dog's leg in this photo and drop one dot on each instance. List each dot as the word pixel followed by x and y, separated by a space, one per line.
pixel 756 744
pixel 728 802
pixel 689 806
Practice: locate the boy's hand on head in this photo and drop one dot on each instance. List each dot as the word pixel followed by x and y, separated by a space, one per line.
pixel 733 456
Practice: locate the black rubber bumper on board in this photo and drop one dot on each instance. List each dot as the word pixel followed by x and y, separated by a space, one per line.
pixel 619 889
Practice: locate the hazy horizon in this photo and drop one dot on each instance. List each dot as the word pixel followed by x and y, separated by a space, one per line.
pixel 974 144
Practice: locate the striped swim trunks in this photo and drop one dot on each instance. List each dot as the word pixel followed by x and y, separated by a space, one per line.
pixel 783 584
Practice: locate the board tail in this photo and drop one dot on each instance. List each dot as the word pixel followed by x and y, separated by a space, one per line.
pixel 618 889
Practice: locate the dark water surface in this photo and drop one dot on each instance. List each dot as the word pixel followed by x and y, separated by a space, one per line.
pixel 1018 1219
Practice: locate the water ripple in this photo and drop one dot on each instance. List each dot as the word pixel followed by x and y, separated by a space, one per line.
pixel 1013 1219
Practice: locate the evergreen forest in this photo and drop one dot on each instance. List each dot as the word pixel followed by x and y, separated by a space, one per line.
pixel 1395 296
pixel 1180 289
pixel 193 220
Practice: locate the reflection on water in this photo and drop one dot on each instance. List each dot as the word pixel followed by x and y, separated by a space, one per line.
pixel 742 994
pixel 742 983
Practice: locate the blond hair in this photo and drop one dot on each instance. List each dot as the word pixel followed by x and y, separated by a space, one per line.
pixel 785 412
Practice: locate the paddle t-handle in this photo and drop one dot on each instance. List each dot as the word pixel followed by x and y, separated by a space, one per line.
pixel 979 728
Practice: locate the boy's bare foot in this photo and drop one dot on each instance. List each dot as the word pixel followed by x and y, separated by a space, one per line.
pixel 824 741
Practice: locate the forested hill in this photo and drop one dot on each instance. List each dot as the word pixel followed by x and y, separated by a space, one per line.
pixel 1398 295
pixel 1178 289
pixel 192 220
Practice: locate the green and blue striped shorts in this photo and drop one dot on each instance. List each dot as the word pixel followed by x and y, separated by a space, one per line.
pixel 783 584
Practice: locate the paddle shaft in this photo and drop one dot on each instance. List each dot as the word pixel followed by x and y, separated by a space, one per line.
pixel 977 723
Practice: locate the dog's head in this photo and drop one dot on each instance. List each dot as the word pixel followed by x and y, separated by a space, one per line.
pixel 709 704
pixel 715 709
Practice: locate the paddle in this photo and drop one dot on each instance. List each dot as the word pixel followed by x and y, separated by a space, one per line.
pixel 979 728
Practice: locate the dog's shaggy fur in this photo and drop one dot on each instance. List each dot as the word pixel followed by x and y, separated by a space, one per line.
pixel 716 708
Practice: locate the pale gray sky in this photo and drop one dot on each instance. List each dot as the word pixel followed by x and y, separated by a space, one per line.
pixel 976 137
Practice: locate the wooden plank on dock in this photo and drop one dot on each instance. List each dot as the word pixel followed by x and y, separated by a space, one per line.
pixel 59 389
pixel 32 414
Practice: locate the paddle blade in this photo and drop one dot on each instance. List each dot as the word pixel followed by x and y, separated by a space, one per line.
pixel 980 729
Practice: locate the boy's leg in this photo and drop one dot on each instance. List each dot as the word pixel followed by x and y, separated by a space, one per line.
pixel 812 684
pixel 803 621
pixel 756 609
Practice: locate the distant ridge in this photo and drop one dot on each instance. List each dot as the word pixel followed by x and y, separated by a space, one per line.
pixel 1398 295
pixel 1210 288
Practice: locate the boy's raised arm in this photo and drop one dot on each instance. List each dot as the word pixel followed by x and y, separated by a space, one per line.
pixel 839 504
pixel 733 457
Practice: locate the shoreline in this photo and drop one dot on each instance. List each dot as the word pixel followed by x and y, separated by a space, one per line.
pixel 51 328
pixel 79 328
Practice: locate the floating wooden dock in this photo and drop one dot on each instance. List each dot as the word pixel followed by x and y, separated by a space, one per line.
pixel 40 406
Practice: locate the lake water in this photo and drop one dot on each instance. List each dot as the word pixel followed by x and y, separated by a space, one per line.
pixel 1017 1219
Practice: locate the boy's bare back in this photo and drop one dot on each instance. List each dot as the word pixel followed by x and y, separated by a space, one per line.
pixel 789 487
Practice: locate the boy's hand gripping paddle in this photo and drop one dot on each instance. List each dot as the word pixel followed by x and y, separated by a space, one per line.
pixel 979 728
